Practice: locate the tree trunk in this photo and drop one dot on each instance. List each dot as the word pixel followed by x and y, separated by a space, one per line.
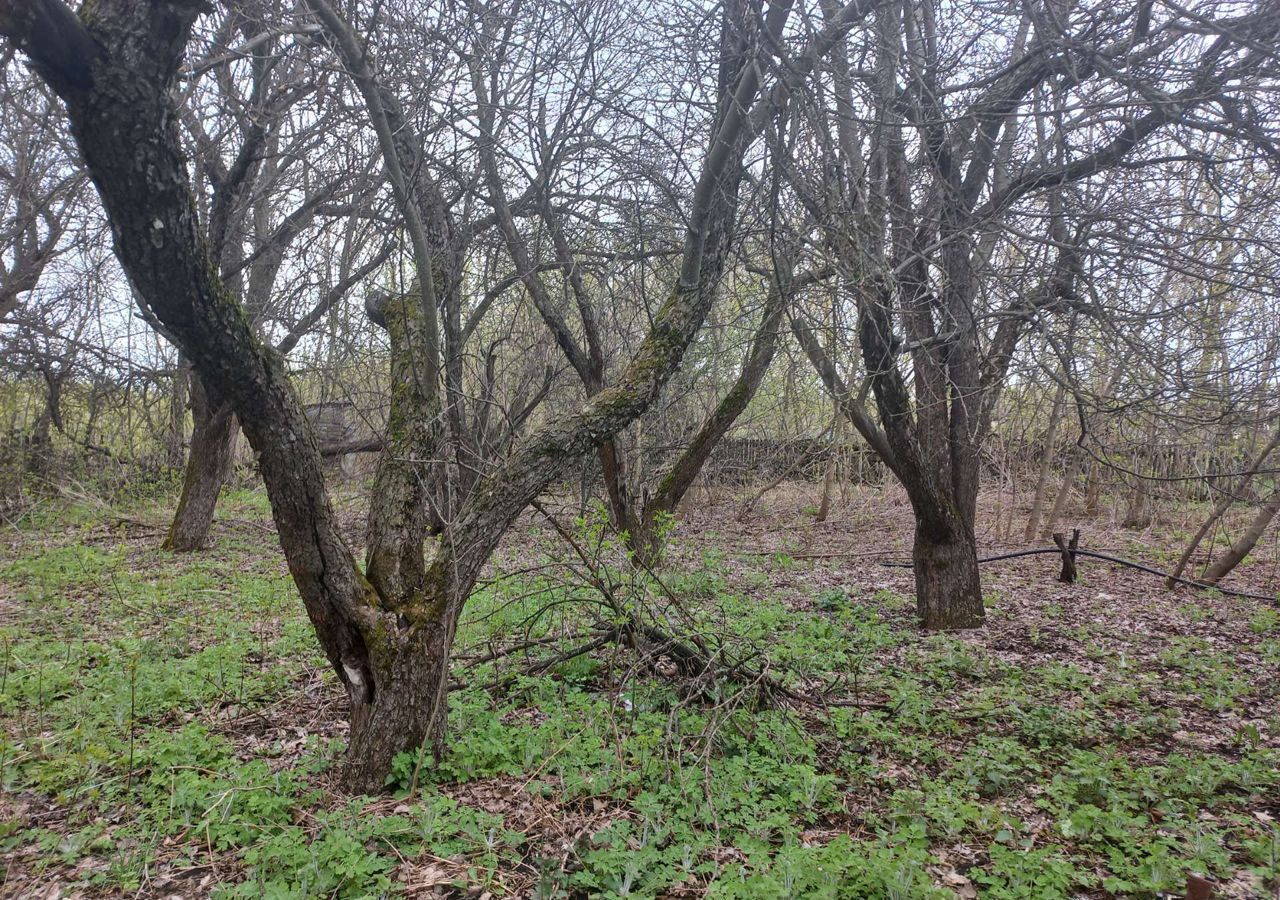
pixel 828 482
pixel 176 436
pixel 948 591
pixel 1093 489
pixel 646 537
pixel 1064 491
pixel 646 528
pixel 39 449
pixel 1229 496
pixel 1246 542
pixel 388 646
pixel 617 496
pixel 1138 512
pixel 39 460
pixel 833 464
pixel 408 712
pixel 1046 463
pixel 208 465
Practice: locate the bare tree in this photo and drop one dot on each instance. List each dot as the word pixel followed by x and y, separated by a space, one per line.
pixel 114 72
pixel 935 179
pixel 40 186
pixel 250 131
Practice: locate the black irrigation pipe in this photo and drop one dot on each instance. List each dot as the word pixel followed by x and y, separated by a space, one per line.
pixel 1114 559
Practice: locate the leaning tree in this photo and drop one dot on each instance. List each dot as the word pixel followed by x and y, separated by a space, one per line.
pixel 265 132
pixel 386 629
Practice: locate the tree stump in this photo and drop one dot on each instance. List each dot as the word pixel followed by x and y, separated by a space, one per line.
pixel 1069 574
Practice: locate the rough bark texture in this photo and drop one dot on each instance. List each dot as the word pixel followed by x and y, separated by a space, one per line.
pixel 936 457
pixel 646 536
pixel 399 504
pixel 117 96
pixel 409 648
pixel 640 518
pixel 176 433
pixel 406 714
pixel 948 592
pixel 391 653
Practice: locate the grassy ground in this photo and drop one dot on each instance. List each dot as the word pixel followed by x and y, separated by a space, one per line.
pixel 170 728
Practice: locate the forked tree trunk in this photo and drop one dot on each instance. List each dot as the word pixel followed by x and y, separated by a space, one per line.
pixel 646 538
pixel 408 712
pixel 948 590
pixel 944 556
pixel 647 526
pixel 386 635
pixel 208 465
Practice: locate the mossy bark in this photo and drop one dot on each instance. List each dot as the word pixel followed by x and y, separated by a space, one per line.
pixel 118 99
pixel 400 504
pixel 407 711
pixel 646 526
pixel 389 645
